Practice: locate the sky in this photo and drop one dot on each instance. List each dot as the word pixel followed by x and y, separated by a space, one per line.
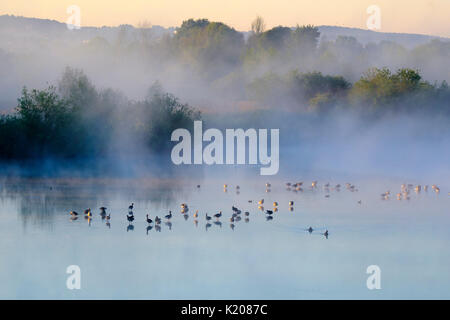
pixel 405 16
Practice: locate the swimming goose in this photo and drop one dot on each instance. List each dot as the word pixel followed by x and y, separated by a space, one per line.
pixel 73 213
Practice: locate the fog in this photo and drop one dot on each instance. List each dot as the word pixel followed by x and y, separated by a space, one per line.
pixel 235 80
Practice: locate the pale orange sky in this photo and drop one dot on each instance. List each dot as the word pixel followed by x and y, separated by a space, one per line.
pixel 410 16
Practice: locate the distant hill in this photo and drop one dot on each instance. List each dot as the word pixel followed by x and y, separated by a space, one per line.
pixel 407 40
pixel 14 29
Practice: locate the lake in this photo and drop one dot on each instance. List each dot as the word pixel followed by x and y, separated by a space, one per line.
pixel 257 259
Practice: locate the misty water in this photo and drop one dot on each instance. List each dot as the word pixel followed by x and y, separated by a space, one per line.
pixel 258 259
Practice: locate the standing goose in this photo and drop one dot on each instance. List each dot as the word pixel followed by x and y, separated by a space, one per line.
pixel 208 218
pixel 73 213
pixel 148 219
pixel 157 220
pixel 131 206
pixel 269 212
pixel 168 216
pixel 218 215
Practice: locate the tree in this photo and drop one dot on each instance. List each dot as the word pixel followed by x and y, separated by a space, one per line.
pixel 258 25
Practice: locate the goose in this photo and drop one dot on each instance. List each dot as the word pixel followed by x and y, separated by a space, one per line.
pixel 73 213
pixel 234 208
pixel 310 229
pixel 87 211
pixel 208 218
pixel 130 218
pixel 157 220
pixel 218 215
pixel 108 217
pixel 326 234
pixel 247 213
pixel 269 212
pixel 232 219
pixel 103 209
pixel 168 216
pixel 131 206
pixel 148 219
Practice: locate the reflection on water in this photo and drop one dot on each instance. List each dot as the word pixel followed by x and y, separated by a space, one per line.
pixel 245 240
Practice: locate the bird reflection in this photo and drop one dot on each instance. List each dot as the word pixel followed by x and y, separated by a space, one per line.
pixel 232 226
pixel 158 228
pixel 108 225
pixel 149 228
pixel 130 227
pixel 169 224
pixel 207 226
pixel 218 223
pixel 185 217
pixel 268 218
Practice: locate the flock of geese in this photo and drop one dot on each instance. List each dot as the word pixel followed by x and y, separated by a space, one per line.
pixel 236 213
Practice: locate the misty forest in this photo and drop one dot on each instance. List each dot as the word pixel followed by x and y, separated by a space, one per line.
pixel 116 94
